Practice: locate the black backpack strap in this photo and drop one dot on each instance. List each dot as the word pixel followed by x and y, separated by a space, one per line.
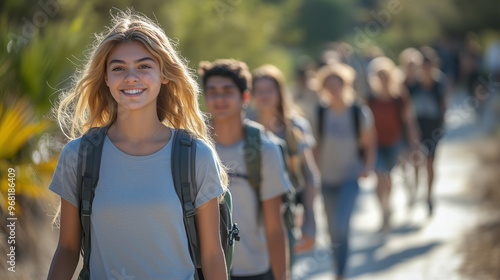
pixel 356 111
pixel 183 163
pixel 89 163
pixel 321 120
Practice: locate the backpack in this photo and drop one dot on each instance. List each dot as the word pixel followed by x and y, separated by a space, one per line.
pixel 253 160
pixel 356 113
pixel 295 172
pixel 183 173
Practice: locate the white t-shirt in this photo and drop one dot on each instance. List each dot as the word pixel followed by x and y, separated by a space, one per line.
pixel 137 228
pixel 339 157
pixel 250 253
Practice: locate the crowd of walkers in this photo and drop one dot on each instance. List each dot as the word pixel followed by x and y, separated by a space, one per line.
pixel 275 149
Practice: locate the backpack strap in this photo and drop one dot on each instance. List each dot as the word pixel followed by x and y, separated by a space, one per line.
pixel 184 147
pixel 291 139
pixel 356 111
pixel 253 158
pixel 289 198
pixel 321 120
pixel 89 163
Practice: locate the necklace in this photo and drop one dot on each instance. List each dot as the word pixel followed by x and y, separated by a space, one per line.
pixel 157 131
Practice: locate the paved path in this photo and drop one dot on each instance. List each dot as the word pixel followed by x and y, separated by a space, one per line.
pixel 417 247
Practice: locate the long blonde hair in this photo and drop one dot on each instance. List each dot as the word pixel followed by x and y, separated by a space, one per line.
pixel 394 75
pixel 89 102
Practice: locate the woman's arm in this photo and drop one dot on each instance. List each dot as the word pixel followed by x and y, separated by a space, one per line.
pixel 277 241
pixel 316 154
pixel 312 179
pixel 213 263
pixel 369 144
pixel 68 249
pixel 410 121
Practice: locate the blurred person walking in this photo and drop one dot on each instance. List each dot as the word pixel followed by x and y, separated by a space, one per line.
pixel 428 100
pixel 410 61
pixel 394 120
pixel 262 253
pixel 345 153
pixel 277 112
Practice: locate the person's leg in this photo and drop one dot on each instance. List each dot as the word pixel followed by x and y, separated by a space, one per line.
pixel 330 200
pixel 416 178
pixel 383 165
pixel 431 133
pixel 430 180
pixel 407 170
pixel 390 156
pixel 346 201
pixel 383 194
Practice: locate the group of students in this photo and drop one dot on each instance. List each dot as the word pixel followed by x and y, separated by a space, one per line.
pixel 140 89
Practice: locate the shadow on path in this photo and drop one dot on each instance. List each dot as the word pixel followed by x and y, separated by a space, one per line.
pixel 373 265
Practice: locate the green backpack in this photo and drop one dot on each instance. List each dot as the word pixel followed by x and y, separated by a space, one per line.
pixel 253 161
pixel 183 165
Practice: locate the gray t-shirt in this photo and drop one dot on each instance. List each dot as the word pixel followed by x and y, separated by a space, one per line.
pixel 339 158
pixel 137 225
pixel 250 253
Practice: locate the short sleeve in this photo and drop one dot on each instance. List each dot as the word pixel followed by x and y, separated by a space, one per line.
pixel 366 117
pixel 64 182
pixel 303 125
pixel 207 174
pixel 275 179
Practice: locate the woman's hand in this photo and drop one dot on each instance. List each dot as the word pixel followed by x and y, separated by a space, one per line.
pixel 304 244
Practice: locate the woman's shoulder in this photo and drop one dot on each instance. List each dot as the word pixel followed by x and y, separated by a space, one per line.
pixel 203 149
pixel 301 123
pixel 202 144
pixel 72 146
pixel 269 141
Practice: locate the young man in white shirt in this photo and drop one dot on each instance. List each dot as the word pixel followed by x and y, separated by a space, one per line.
pixel 262 252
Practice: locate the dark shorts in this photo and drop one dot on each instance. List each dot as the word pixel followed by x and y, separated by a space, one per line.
pixel 387 157
pixel 266 276
pixel 431 131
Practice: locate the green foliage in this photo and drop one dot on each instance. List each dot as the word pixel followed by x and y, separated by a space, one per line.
pixel 475 16
pixel 34 56
pixel 324 21
pixel 44 41
pixel 244 30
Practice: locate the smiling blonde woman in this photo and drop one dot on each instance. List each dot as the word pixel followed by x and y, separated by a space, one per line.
pixel 137 86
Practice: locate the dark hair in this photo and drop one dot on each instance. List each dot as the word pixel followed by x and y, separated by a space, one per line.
pixel 234 69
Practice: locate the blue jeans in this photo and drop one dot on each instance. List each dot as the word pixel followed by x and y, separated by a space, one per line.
pixel 339 203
